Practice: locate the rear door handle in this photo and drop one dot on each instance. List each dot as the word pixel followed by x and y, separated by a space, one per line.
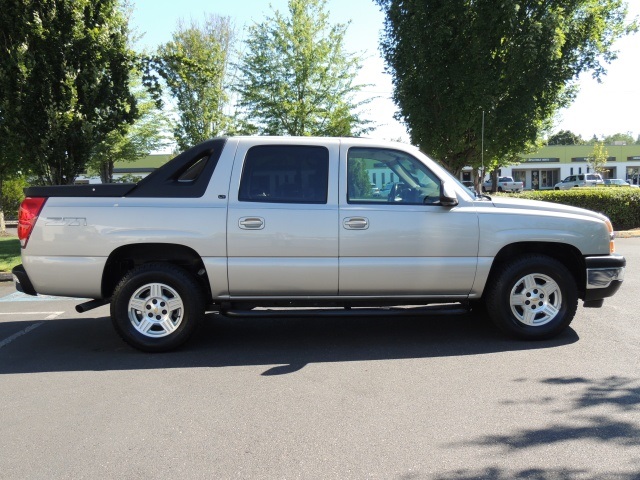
pixel 355 223
pixel 251 223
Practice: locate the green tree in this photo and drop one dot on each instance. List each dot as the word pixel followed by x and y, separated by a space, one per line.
pixel 296 77
pixel 64 81
pixel 593 140
pixel 619 137
pixel 515 60
pixel 194 67
pixel 12 194
pixel 148 133
pixel 597 159
pixel 9 165
pixel 359 179
pixel 565 137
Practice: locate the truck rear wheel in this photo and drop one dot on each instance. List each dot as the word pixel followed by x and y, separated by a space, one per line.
pixel 533 298
pixel 156 307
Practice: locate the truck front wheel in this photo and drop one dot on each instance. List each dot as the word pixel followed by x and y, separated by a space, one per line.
pixel 533 298
pixel 156 307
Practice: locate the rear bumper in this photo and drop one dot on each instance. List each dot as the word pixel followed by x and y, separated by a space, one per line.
pixel 604 276
pixel 21 280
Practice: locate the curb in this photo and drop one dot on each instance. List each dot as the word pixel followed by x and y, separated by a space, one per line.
pixel 628 234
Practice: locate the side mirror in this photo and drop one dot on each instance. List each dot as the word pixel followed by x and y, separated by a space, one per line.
pixel 448 197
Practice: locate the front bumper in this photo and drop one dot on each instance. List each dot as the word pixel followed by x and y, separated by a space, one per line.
pixel 604 276
pixel 21 280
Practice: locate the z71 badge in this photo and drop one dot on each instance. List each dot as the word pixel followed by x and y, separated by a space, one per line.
pixel 66 221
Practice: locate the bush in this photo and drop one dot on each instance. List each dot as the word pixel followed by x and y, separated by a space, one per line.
pixel 621 205
pixel 12 196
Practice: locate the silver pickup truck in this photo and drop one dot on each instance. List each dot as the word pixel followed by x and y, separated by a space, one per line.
pixel 238 223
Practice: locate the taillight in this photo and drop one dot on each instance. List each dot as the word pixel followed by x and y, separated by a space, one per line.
pixel 27 216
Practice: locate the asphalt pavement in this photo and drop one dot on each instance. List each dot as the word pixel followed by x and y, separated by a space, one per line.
pixel 428 397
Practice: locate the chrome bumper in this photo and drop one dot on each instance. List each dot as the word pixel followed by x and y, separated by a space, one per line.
pixel 602 277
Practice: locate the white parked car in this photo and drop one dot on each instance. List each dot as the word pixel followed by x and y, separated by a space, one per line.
pixel 580 180
pixel 617 182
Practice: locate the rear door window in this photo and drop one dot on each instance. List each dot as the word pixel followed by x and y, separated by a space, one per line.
pixel 285 174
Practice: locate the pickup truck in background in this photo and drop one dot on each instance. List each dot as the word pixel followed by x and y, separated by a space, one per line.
pixel 504 184
pixel 238 223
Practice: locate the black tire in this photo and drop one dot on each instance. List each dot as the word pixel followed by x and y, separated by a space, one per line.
pixel 533 297
pixel 171 305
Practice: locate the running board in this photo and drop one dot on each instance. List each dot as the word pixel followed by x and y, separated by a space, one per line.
pixel 455 309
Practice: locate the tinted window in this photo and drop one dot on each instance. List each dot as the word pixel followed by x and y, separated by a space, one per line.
pixel 403 179
pixel 285 174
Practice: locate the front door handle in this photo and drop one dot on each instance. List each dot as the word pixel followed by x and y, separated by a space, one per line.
pixel 355 223
pixel 251 223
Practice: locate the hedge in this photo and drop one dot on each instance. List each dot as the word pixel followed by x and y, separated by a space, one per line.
pixel 620 204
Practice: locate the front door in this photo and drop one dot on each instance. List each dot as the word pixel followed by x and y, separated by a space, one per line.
pixel 400 240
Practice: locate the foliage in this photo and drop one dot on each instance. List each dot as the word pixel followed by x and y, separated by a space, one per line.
pixel 619 137
pixel 620 204
pixel 135 141
pixel 9 253
pixel 565 137
pixel 64 81
pixel 597 159
pixel 297 79
pixel 128 178
pixel 358 179
pixel 515 60
pixel 194 68
pixel 8 165
pixel 12 196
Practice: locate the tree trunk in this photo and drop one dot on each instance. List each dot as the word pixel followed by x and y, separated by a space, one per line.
pixel 106 172
pixel 3 226
pixel 494 180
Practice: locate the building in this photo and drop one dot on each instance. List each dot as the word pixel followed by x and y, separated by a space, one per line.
pixel 551 164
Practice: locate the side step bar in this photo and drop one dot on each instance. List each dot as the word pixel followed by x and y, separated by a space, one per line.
pixel 454 309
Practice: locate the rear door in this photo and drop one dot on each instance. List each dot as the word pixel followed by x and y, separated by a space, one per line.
pixel 282 218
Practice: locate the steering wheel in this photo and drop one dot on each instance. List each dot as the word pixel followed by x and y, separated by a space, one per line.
pixel 395 191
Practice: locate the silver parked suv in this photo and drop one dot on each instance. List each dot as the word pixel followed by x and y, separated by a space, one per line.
pixel 582 180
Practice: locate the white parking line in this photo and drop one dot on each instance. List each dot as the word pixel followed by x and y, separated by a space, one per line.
pixel 50 316
pixel 7 341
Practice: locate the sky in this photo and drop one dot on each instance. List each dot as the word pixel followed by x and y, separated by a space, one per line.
pixel 611 106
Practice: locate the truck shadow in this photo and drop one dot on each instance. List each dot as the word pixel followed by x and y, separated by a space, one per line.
pixel 282 345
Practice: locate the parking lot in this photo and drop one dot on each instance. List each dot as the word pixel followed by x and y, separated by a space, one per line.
pixel 424 397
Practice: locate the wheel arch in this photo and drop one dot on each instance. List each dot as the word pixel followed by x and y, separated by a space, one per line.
pixel 127 257
pixel 566 254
